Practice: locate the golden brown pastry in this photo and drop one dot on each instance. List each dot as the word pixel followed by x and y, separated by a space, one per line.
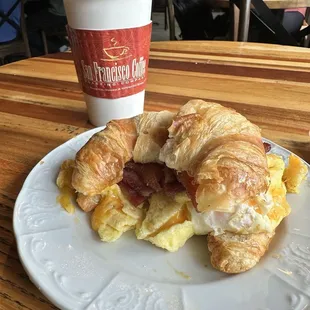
pixel 65 174
pixel 262 213
pixel 233 253
pixel 64 183
pixel 88 203
pixel 100 163
pixel 234 193
pixel 100 167
pixel 220 151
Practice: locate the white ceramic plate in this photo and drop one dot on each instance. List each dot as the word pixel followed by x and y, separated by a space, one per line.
pixel 75 270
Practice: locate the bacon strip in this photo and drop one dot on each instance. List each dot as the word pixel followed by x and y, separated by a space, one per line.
pixel 170 183
pixel 190 186
pixel 267 147
pixel 131 194
pixel 150 174
pixel 140 181
pixel 171 189
pixel 133 180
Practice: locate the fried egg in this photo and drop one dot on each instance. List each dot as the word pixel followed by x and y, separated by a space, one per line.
pixel 263 213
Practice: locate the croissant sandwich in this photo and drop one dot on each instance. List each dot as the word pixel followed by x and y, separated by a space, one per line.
pixel 202 171
pixel 118 174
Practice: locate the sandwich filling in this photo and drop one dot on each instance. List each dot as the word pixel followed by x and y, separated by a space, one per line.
pixel 248 217
pixel 141 181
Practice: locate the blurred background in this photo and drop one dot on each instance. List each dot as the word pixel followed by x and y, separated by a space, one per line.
pixel 30 28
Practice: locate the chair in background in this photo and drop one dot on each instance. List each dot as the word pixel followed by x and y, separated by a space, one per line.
pixel 166 7
pixel 305 29
pixel 272 21
pixel 171 16
pixel 60 32
pixel 261 12
pixel 20 45
pixel 160 6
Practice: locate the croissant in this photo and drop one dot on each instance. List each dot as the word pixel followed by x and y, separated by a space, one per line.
pixel 219 152
pixel 201 171
pixel 114 187
pixel 233 253
pixel 100 163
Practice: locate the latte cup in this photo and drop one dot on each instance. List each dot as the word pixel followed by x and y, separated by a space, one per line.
pixel 110 42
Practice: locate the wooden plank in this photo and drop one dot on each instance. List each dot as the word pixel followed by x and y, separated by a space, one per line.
pixel 23 142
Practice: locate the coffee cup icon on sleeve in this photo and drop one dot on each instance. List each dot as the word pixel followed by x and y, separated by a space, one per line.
pixel 115 53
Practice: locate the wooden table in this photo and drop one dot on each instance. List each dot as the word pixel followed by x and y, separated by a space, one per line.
pixel 41 106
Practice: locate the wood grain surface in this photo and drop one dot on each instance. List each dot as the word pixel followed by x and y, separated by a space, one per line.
pixel 41 106
pixel 273 4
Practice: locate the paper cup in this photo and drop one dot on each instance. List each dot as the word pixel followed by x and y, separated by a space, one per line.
pixel 110 44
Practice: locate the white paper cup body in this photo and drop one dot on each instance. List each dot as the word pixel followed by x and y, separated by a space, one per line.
pixel 109 15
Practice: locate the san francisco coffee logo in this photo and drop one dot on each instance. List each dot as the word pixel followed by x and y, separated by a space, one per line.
pixel 116 65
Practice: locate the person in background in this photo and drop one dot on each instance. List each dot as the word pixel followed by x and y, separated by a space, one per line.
pixel 196 20
pixel 49 18
pixel 7 31
pixel 293 19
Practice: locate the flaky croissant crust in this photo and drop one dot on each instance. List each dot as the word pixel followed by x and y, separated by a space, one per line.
pixel 101 161
pixel 233 253
pixel 221 150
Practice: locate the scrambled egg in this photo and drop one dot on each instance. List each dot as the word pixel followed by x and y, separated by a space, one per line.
pixel 294 174
pixel 167 223
pixel 67 193
pixel 115 215
pixel 277 190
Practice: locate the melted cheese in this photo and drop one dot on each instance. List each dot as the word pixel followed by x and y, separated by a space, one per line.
pixel 66 198
pixel 166 224
pixel 178 218
pixel 114 215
